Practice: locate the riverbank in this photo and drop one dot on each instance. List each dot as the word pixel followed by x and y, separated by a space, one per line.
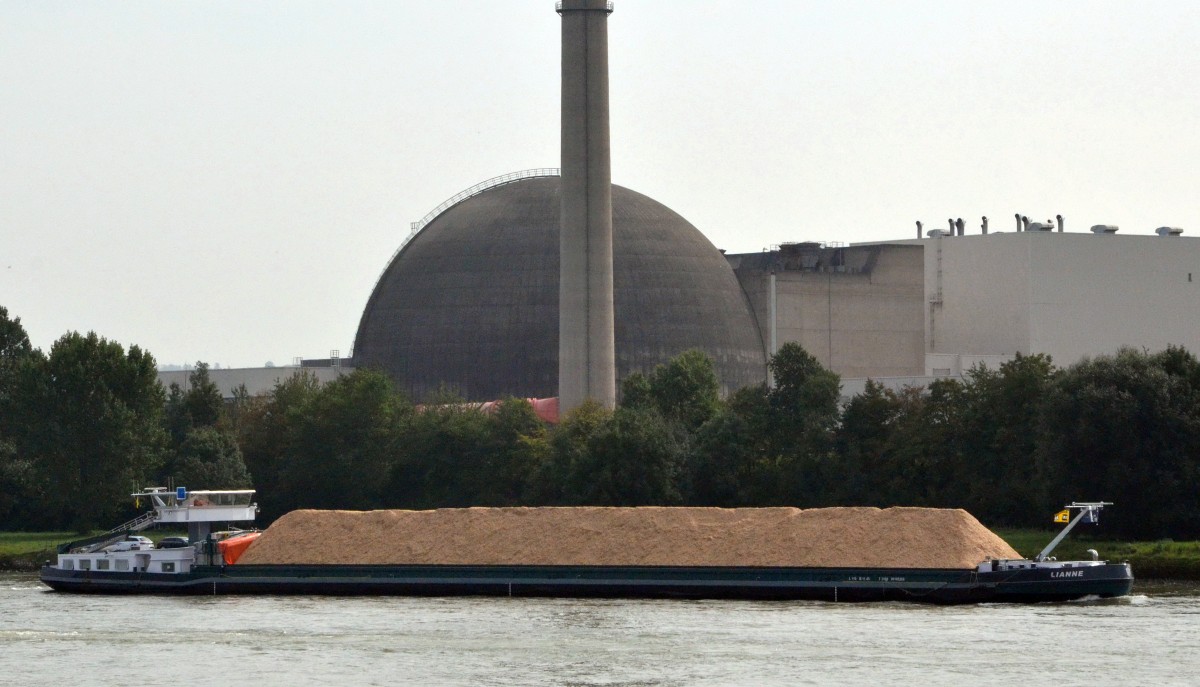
pixel 26 551
pixel 1162 560
pixel 1159 560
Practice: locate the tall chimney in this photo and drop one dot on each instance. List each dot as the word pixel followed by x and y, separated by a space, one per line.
pixel 587 365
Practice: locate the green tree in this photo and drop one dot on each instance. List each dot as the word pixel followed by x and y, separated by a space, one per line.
pixel 635 391
pixel 686 390
pixel 266 432
pixel 342 445
pixel 446 456
pixel 210 459
pixel 999 422
pixel 632 459
pixel 561 479
pixel 175 417
pixel 203 445
pixel 203 402
pixel 237 409
pixel 97 433
pixel 790 427
pixel 866 437
pixel 14 349
pixel 724 468
pixel 803 401
pixel 928 455
pixel 518 448
pixel 1127 428
pixel 17 481
pixel 201 405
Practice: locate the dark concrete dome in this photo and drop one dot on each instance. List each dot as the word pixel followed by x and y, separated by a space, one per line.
pixel 471 302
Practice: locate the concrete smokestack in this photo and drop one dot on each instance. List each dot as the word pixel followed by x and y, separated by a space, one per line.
pixel 587 365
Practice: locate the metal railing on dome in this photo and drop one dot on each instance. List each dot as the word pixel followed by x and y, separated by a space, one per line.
pixel 416 227
pixel 474 191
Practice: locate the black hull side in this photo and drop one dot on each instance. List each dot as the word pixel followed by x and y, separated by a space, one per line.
pixel 1103 581
pixel 944 586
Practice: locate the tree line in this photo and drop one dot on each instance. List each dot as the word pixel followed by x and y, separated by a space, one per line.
pixel 86 424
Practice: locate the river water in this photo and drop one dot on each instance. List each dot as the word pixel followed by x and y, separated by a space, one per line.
pixel 47 638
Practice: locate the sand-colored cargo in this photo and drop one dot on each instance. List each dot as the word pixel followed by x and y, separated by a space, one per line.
pixel 826 537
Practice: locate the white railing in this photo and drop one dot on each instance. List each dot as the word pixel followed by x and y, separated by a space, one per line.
pixel 138 524
pixel 474 191
pixel 416 227
pixel 608 6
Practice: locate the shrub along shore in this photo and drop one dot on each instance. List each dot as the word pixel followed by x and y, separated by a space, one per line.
pixel 1151 560
pixel 1009 445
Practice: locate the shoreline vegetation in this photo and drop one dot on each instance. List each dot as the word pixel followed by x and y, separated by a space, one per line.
pixel 1163 559
pixel 1151 560
pixel 81 425
pixel 1008 445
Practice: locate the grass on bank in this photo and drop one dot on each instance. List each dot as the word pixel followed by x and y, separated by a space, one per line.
pixel 28 550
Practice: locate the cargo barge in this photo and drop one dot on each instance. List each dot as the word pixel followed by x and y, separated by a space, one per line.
pixel 208 565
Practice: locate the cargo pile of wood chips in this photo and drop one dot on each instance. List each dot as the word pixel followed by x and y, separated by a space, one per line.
pixel 827 537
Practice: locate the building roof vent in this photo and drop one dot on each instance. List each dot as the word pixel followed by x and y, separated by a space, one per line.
pixel 935 233
pixel 1168 231
pixel 1104 229
pixel 1039 226
pixel 794 248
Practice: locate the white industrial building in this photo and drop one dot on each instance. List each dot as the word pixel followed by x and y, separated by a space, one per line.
pixel 256 380
pixel 1067 295
pixel 903 312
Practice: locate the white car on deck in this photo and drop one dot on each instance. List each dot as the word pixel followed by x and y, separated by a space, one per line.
pixel 133 542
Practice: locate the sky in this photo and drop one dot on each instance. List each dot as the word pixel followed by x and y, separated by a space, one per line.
pixel 224 181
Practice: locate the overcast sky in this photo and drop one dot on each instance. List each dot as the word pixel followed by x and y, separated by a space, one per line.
pixel 224 181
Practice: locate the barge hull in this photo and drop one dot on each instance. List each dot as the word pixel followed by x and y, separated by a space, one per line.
pixel 943 586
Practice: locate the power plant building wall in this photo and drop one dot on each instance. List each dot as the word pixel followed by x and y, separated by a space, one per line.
pixel 922 308
pixel 1068 295
pixel 859 310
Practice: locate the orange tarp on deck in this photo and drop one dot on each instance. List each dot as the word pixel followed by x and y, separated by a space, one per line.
pixel 232 549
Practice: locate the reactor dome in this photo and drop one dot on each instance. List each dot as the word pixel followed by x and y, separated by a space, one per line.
pixel 470 303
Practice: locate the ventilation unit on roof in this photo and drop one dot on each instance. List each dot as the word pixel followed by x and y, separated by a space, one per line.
pixel 1168 231
pixel 1104 229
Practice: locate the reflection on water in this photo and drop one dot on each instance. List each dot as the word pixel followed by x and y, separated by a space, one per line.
pixel 52 639
pixel 1161 588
